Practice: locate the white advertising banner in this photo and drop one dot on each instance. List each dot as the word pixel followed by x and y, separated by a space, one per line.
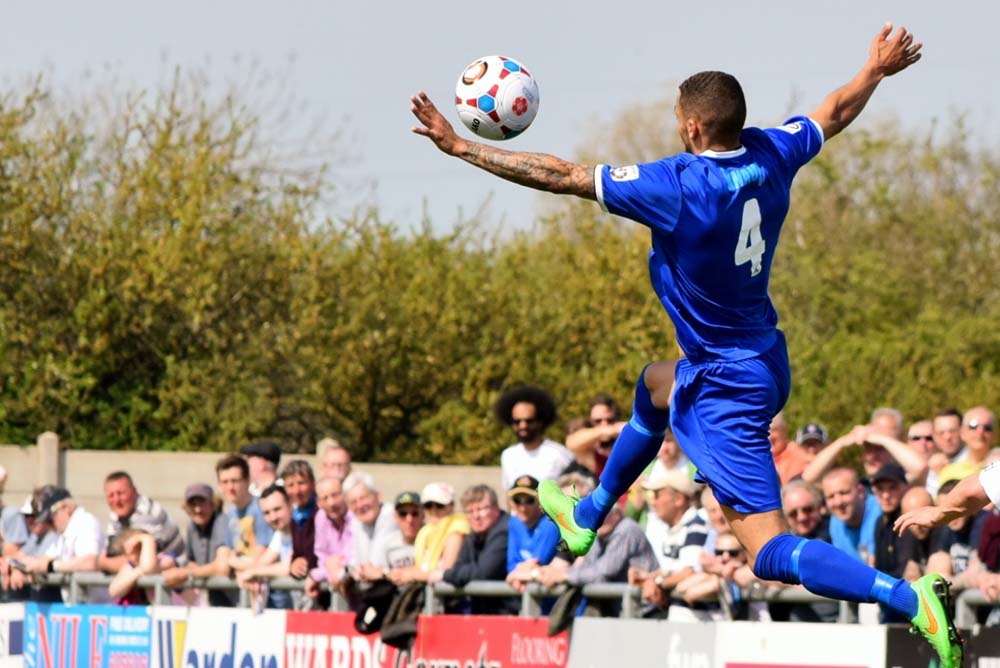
pixel 169 626
pixel 790 645
pixel 640 643
pixel 233 638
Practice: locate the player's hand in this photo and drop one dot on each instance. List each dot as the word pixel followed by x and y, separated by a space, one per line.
pixel 433 124
pixel 889 55
pixel 927 517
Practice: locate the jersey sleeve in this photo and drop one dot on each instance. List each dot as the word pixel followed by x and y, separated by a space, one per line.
pixel 798 140
pixel 989 478
pixel 649 193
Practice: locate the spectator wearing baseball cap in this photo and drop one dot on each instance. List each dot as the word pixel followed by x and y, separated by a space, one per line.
pixel 812 435
pixel 440 539
pixel 790 458
pixel 263 458
pixel 79 537
pixel 531 536
pixel 677 534
pixel 207 551
pixel 395 550
pixel 40 540
pixel 894 554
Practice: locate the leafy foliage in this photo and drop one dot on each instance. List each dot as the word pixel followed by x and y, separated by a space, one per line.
pixel 166 284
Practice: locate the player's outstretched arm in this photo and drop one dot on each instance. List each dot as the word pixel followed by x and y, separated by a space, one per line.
pixel 535 170
pixel 887 56
pixel 967 497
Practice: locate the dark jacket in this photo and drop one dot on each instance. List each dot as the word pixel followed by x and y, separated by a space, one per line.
pixel 303 538
pixel 484 557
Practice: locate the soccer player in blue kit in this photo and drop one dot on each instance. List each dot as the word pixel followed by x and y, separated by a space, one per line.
pixel 715 213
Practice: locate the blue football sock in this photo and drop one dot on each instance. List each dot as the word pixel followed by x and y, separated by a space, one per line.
pixel 823 569
pixel 636 446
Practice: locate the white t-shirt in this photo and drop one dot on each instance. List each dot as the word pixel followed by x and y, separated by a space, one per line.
pixel 281 542
pixel 546 462
pixel 83 536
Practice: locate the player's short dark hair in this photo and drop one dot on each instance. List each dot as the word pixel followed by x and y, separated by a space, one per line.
pixel 545 405
pixel 274 488
pixel 233 462
pixel 114 476
pixel 716 98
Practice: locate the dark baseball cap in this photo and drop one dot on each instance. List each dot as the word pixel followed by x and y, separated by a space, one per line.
pixel 889 471
pixel 407 499
pixel 198 490
pixel 812 431
pixel 524 484
pixel 269 450
pixel 50 499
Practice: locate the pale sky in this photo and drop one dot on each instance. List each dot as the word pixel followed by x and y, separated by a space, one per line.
pixel 355 64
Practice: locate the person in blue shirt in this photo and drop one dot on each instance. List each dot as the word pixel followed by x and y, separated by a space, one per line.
pixel 854 514
pixel 531 536
pixel 715 213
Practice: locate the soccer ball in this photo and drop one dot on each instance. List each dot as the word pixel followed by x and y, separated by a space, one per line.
pixel 496 97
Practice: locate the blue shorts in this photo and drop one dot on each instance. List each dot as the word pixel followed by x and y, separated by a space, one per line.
pixel 721 414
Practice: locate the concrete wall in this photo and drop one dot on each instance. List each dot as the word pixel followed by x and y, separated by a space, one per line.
pixel 164 475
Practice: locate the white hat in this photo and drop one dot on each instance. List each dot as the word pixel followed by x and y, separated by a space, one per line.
pixel 672 478
pixel 27 508
pixel 438 492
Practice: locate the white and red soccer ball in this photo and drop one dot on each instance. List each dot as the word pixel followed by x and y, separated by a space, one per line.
pixel 496 97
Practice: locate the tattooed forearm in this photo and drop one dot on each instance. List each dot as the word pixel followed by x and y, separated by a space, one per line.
pixel 535 170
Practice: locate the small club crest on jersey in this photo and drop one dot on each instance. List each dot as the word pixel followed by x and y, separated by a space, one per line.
pixel 630 173
pixel 791 128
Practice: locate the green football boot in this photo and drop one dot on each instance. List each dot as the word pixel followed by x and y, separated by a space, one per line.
pixel 559 507
pixel 933 619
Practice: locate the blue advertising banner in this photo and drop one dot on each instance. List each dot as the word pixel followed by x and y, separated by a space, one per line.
pixel 86 636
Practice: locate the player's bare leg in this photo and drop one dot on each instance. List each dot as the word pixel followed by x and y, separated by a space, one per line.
pixel 635 447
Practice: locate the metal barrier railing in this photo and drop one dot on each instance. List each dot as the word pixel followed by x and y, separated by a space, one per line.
pixel 966 602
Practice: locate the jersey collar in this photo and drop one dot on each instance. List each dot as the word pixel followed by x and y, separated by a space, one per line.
pixel 719 155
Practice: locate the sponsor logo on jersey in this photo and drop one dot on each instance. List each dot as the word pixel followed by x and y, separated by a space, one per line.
pixel 630 173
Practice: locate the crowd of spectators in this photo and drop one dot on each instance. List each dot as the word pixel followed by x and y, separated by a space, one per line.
pixel 333 530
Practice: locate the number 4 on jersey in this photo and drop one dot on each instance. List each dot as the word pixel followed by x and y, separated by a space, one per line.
pixel 750 247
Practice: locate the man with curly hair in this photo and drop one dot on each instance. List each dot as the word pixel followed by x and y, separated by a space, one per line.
pixel 530 410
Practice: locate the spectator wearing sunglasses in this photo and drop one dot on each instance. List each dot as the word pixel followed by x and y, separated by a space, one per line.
pixel 803 506
pixel 395 551
pixel 978 433
pixel 531 536
pixel 592 444
pixel 439 541
pixel 725 575
pixel 530 411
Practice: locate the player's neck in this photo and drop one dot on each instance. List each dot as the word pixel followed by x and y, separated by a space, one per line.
pixel 716 147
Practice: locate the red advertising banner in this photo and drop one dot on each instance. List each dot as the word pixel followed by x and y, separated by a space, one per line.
pixel 328 640
pixel 488 642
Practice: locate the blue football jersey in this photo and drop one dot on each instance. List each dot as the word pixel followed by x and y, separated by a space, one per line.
pixel 715 220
